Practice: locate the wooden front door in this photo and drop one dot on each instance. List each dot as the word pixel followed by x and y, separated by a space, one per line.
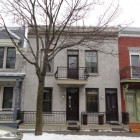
pixel 72 104
pixel 111 105
pixel 133 105
pixel 73 66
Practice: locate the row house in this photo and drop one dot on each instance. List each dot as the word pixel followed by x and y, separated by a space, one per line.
pixel 12 73
pixel 129 62
pixel 78 81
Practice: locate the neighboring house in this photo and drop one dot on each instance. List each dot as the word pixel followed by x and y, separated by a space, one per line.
pixel 12 72
pixel 129 58
pixel 78 80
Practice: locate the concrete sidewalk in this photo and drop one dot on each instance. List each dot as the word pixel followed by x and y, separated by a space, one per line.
pixel 88 128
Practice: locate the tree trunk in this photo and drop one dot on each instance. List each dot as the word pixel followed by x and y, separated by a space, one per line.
pixel 39 108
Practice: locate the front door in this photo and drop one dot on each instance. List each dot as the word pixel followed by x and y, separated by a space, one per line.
pixel 73 66
pixel 133 105
pixel 111 105
pixel 72 104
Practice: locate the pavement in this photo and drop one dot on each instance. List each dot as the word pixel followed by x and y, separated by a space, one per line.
pixel 93 130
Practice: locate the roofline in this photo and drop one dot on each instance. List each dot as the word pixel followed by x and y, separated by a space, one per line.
pixel 130 32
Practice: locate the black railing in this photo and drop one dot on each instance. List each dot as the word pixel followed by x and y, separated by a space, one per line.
pixel 80 73
pixel 6 116
pixel 130 72
pixel 93 117
pixel 54 117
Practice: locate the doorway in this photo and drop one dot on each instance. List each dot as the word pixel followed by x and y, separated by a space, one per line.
pixel 111 105
pixel 72 104
pixel 73 72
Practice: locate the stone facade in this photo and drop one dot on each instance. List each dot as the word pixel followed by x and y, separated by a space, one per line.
pixel 107 77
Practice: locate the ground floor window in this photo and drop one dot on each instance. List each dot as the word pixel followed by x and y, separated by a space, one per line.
pixel 91 100
pixel 7 97
pixel 47 100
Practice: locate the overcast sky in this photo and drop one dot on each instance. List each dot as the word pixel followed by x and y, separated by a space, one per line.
pixel 129 12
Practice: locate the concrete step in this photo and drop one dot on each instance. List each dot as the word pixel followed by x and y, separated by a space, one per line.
pixel 73 125
pixel 134 127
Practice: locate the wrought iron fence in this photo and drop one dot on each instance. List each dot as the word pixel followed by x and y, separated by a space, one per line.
pixel 73 73
pixel 130 72
pixel 6 116
pixel 93 118
pixel 54 117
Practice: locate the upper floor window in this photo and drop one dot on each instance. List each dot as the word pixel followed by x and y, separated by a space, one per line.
pixel 135 63
pixel 7 57
pixel 91 61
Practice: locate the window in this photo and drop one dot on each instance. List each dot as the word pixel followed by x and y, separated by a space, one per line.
pixel 11 58
pixel 1 57
pixel 91 61
pixel 50 63
pixel 135 63
pixel 47 100
pixel 7 57
pixel 91 100
pixel 7 98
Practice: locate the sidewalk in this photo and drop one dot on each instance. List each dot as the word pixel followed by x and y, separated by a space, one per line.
pixel 83 128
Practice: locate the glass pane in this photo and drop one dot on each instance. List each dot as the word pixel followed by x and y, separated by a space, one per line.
pixel 91 61
pixel 72 62
pixel 11 58
pixel 1 57
pixel 47 100
pixel 7 97
pixel 92 100
pixel 135 60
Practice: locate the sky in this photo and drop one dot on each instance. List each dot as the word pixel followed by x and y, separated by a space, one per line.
pixel 47 136
pixel 129 13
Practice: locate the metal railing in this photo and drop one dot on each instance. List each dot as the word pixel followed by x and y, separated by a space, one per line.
pixel 54 117
pixel 130 72
pixel 6 116
pixel 80 73
pixel 92 118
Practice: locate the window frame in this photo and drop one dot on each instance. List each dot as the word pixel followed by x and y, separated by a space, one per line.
pixel 4 66
pixel 3 93
pixel 10 58
pixel 90 62
pixel 2 58
pixel 51 94
pixel 130 56
pixel 97 101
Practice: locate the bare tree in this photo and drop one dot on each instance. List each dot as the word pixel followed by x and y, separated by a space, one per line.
pixel 54 22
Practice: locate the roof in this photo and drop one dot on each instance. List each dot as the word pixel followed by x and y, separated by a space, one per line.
pixel 130 32
pixel 15 32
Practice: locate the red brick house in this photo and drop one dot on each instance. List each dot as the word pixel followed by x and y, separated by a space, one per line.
pixel 129 62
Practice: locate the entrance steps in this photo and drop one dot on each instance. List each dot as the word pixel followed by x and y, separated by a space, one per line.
pixel 73 125
pixel 134 127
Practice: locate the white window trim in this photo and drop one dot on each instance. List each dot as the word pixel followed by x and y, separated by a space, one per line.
pixel 5 58
pixel 133 52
